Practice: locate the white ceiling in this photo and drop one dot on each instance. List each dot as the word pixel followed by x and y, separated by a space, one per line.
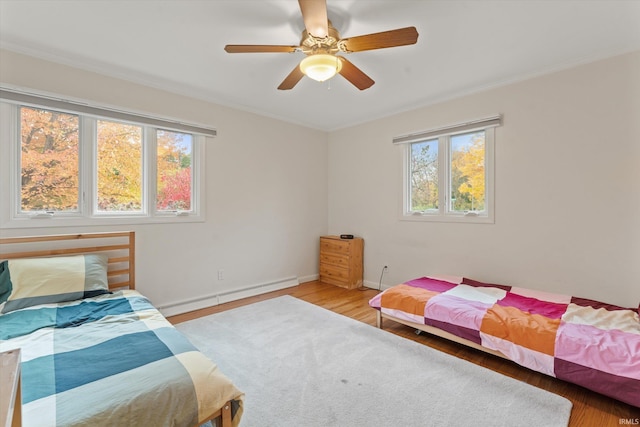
pixel 464 46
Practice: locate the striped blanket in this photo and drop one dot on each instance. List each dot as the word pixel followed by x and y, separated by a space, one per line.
pixel 582 341
pixel 111 360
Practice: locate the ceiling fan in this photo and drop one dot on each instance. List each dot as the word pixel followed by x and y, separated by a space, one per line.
pixel 321 42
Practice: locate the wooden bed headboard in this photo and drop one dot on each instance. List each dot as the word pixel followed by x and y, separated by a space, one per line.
pixel 119 246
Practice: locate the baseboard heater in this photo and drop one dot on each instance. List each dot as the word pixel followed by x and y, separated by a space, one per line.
pixel 222 297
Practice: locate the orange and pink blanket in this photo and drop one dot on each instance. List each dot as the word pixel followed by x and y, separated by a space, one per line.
pixel 586 342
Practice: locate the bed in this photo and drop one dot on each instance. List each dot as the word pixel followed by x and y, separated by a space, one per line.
pixel 582 341
pixel 94 351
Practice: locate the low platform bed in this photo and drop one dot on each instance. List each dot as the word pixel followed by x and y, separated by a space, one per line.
pixel 582 341
pixel 94 350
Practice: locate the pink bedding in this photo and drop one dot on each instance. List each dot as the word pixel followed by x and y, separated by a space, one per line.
pixel 586 342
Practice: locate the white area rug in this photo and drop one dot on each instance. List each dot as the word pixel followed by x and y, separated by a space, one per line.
pixel 301 365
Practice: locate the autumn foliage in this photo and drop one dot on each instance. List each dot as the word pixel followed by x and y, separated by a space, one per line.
pixel 468 175
pixel 49 166
pixel 467 171
pixel 119 166
pixel 50 159
pixel 174 171
pixel 175 190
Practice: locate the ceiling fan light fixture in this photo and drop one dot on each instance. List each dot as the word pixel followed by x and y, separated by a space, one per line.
pixel 321 66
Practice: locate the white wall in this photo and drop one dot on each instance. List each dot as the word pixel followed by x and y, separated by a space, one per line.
pixel 567 188
pixel 266 192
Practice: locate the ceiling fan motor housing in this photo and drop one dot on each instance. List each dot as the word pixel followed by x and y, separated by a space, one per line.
pixel 311 45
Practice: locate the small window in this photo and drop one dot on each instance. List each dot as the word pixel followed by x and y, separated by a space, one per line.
pixel 448 173
pixel 424 176
pixel 174 188
pixel 467 172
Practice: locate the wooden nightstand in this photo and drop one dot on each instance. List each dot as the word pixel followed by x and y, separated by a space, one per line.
pixel 341 261
pixel 10 393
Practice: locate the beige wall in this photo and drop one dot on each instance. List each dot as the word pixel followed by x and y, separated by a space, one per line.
pixel 266 191
pixel 567 188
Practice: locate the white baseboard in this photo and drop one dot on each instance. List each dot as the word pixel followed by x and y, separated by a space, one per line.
pixel 222 297
pixel 375 285
pixel 309 278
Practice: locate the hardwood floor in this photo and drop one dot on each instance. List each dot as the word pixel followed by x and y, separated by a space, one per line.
pixel 589 409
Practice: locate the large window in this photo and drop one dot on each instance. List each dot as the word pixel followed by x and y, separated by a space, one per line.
pixel 76 168
pixel 448 173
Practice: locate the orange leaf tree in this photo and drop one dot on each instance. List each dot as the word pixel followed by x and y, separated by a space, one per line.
pixel 49 160
pixel 119 166
pixel 468 175
pixel 50 164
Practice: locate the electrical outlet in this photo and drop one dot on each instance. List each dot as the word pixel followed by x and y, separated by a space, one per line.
pixel 220 274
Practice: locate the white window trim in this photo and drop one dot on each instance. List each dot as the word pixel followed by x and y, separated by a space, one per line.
pixel 443 213
pixel 11 218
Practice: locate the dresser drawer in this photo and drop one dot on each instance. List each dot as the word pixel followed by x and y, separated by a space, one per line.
pixel 334 259
pixel 334 246
pixel 334 275
pixel 334 272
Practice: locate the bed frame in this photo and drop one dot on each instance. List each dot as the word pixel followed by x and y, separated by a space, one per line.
pixel 438 332
pixel 119 246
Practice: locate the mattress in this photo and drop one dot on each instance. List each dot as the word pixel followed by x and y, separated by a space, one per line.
pixel 586 342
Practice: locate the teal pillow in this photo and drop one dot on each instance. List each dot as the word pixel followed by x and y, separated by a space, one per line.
pixel 5 281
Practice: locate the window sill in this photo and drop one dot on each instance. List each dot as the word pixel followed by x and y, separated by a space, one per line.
pixel 425 217
pixel 78 222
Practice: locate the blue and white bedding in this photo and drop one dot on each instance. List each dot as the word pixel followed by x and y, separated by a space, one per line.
pixel 111 360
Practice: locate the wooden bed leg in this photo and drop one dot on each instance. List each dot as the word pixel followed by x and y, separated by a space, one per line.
pixel 225 415
pixel 378 319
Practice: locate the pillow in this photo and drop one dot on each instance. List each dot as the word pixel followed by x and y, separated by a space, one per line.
pixel 32 281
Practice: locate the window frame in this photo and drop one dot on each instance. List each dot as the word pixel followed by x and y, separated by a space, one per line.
pixel 444 212
pixel 88 214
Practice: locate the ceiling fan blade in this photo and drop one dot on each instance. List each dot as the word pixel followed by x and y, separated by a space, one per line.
pixel 292 79
pixel 253 48
pixel 314 14
pixel 355 75
pixel 392 38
